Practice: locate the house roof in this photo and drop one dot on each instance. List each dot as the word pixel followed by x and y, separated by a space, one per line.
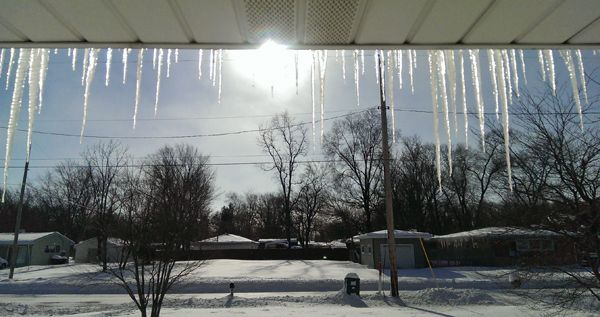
pixel 299 23
pixel 27 238
pixel 228 238
pixel 110 240
pixel 497 232
pixel 398 233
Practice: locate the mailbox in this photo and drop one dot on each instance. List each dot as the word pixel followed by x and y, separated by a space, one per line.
pixel 352 284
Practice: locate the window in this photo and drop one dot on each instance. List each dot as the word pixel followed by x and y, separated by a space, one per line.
pixel 535 245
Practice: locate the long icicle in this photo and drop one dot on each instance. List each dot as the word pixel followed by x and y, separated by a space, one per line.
pixel 568 58
pixel 582 75
pixel 344 65
pixel 45 58
pixel 503 96
pixel 451 70
pixel 158 76
pixel 515 73
pixel 443 87
pixel 176 55
pixel 91 69
pixel 410 71
pixel 74 59
pixel 108 62
pixel 154 54
pixel 399 66
pixel 35 62
pixel 434 103
pixel 463 89
pixel 211 64
pixel 84 65
pixel 476 74
pixel 220 73
pixel 522 58
pixel 507 74
pixel 356 78
pixel 200 53
pixel 494 78
pixel 390 89
pixel 542 64
pixel 362 61
pixel 15 109
pixel 312 94
pixel 138 84
pixel 548 55
pixel 169 53
pixel 1 61
pixel 9 69
pixel 322 69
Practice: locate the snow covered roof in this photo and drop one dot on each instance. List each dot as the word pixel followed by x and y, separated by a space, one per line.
pixel 398 233
pixel 228 238
pixel 26 237
pixel 497 232
pixel 110 240
pixel 301 23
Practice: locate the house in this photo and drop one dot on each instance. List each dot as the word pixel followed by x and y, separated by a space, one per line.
pixel 276 243
pixel 225 242
pixel 409 251
pixel 35 248
pixel 500 246
pixel 87 251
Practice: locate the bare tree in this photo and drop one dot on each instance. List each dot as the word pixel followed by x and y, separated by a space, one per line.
pixel 312 199
pixel 355 144
pixel 285 142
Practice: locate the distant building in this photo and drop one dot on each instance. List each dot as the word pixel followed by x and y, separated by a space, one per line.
pixel 36 248
pixel 225 242
pixel 500 246
pixel 87 251
pixel 276 243
pixel 409 252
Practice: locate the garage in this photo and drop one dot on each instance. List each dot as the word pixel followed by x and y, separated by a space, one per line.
pixel 409 252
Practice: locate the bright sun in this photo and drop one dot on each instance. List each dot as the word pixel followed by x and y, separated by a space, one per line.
pixel 271 65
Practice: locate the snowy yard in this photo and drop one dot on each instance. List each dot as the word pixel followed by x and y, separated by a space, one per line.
pixel 268 288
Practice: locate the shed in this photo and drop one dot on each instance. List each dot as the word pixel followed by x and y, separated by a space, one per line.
pixel 409 253
pixel 87 251
pixel 35 248
pixel 499 246
pixel 225 242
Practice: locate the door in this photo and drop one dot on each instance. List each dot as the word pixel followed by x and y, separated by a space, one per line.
pixel 405 256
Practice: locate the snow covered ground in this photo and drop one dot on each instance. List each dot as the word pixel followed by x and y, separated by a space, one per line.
pixel 269 288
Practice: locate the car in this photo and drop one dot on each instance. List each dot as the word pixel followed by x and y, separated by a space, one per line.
pixel 59 259
pixel 3 263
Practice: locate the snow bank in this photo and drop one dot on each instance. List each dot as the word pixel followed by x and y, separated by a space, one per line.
pixel 449 296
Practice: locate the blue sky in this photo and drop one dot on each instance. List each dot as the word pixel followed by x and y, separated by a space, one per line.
pixel 188 105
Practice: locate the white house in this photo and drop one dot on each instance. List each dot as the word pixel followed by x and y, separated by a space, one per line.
pixel 87 251
pixel 409 252
pixel 225 242
pixel 36 248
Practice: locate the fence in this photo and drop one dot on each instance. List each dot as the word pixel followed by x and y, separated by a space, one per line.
pixel 272 254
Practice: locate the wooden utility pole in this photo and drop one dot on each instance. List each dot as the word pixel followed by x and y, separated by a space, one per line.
pixel 15 246
pixel 389 211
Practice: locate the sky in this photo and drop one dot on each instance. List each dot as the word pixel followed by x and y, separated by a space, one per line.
pixel 255 86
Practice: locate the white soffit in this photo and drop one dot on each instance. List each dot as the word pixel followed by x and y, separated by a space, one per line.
pixel 300 23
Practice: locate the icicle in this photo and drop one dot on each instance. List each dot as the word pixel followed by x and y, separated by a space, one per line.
pixel 211 66
pixel 515 73
pixel 296 69
pixel 494 78
pixel 169 52
pixel 344 65
pixel 176 55
pixel 215 61
pixel 158 75
pixel 15 108
pixel 9 70
pixel 451 68
pixel 443 87
pixel 108 62
pixel 376 67
pixel 463 89
pixel 568 58
pixel 312 94
pixel 138 84
pixel 125 57
pixel 390 89
pixel 434 103
pixel 35 62
pixel 322 68
pixel 1 61
pixel 410 71
pixel 356 78
pixel 476 74
pixel 541 62
pixel 414 59
pixel 523 66
pixel 74 60
pixel 220 73
pixel 86 55
pixel 399 66
pixel 91 69
pixel 503 96
pixel 43 72
pixel 362 61
pixel 154 52
pixel 582 75
pixel 200 52
pixel 550 67
pixel 69 52
pixel 507 77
